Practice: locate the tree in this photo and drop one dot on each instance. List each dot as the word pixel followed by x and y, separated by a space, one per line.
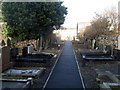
pixel 32 19
pixel 102 24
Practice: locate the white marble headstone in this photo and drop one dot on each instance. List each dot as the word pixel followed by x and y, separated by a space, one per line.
pixel 30 49
pixel 93 43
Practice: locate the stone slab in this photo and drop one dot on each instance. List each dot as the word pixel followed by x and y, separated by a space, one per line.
pixel 24 72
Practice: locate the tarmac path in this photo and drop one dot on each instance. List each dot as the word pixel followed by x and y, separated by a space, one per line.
pixel 66 72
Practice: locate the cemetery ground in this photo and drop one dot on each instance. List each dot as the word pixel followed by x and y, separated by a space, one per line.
pixel 90 70
pixel 39 80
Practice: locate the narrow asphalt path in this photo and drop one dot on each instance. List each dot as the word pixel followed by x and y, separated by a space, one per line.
pixel 65 73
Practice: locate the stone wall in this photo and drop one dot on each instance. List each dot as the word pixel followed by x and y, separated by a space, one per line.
pixel 22 44
pixel 108 40
pixel 25 43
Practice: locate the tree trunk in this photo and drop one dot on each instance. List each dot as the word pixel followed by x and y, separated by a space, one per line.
pixel 47 43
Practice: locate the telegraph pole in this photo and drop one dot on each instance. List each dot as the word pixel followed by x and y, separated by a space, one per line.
pixel 77 31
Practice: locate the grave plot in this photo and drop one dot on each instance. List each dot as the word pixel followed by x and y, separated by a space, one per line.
pixel 100 50
pixel 106 55
pixel 8 84
pixel 116 53
pixel 13 78
pixel 29 56
pixel 35 58
pixel 22 77
pixel 27 72
pixel 108 80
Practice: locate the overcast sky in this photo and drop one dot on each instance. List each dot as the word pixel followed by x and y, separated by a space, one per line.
pixel 84 10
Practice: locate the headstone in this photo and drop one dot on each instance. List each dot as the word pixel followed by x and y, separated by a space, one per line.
pixel 8 42
pixel 93 44
pixel 24 51
pixel 5 57
pixel 13 53
pixel 101 47
pixel 119 42
pixel 38 44
pixel 41 42
pixel 2 43
pixel 30 49
pixel 116 53
pixel 109 49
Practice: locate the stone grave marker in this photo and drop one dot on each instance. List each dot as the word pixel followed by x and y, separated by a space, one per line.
pixel 8 42
pixel 30 49
pixel 93 44
pixel 2 43
pixel 38 44
pixel 101 47
pixel 24 51
pixel 5 57
pixel 109 49
pixel 13 53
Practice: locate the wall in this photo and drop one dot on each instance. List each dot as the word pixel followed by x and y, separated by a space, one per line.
pixel 108 40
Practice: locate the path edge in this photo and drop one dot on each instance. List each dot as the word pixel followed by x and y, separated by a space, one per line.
pixel 53 68
pixel 79 68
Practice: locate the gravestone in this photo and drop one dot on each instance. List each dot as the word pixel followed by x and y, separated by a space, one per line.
pixel 2 43
pixel 8 42
pixel 24 51
pixel 119 42
pixel 38 44
pixel 109 49
pixel 93 43
pixel 116 53
pixel 13 53
pixel 101 47
pixel 5 57
pixel 30 49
